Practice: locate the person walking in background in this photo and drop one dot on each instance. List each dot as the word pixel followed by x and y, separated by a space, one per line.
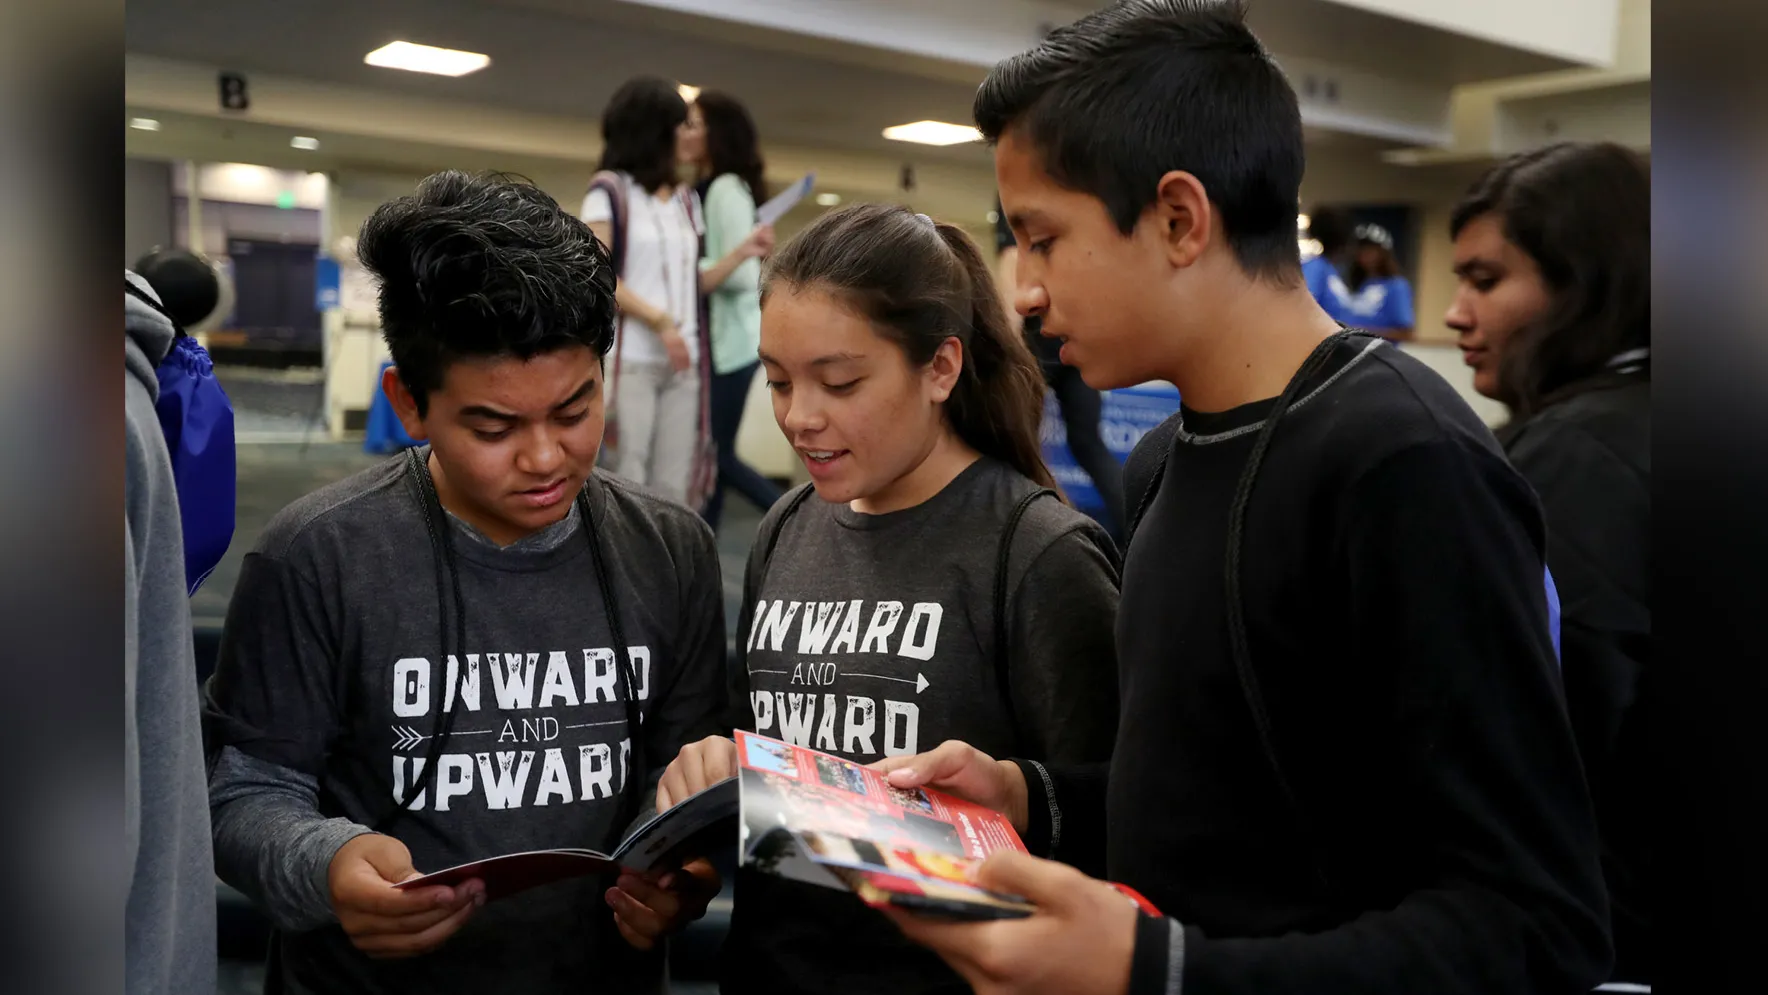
pixel 169 919
pixel 1374 296
pixel 1081 406
pixel 731 184
pixel 1331 227
pixel 659 374
pixel 1553 310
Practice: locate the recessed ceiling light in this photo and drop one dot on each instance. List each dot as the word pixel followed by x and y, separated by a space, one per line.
pixel 994 217
pixel 426 59
pixel 828 198
pixel 144 124
pixel 304 142
pixel 688 93
pixel 933 133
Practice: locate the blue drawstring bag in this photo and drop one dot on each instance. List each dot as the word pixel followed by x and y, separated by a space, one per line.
pixel 197 419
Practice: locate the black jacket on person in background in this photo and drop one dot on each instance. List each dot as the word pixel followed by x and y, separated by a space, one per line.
pixel 1588 457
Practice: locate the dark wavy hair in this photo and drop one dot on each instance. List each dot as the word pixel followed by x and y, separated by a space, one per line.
pixel 484 265
pixel 731 144
pixel 1128 93
pixel 1582 212
pixel 638 130
pixel 1386 268
pixel 919 283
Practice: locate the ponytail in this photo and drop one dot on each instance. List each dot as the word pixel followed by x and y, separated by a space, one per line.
pixel 921 282
pixel 998 401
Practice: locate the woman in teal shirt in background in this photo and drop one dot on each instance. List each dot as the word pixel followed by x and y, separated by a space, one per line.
pixel 731 184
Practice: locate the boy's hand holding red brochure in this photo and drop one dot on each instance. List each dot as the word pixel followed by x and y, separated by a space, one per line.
pixel 1082 936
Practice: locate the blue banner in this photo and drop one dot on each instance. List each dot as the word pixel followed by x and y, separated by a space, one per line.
pixel 1128 415
pixel 327 291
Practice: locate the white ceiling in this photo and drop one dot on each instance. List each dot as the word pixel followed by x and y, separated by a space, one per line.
pixel 557 63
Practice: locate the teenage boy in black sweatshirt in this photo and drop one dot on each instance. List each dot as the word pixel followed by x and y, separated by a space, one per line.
pixel 1343 762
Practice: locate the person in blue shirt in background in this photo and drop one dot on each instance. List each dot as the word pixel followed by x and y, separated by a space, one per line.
pixel 1374 296
pixel 1330 227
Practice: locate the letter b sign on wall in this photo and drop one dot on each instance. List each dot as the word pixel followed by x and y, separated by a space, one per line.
pixel 233 92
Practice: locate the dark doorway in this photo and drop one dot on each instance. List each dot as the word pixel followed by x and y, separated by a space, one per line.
pixel 275 320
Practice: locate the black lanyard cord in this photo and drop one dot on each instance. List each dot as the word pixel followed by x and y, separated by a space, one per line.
pixel 631 802
pixel 1236 607
pixel 442 550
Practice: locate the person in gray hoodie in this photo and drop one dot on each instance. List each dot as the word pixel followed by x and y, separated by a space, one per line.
pixel 169 921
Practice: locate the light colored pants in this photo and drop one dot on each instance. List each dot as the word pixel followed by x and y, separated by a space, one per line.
pixel 659 418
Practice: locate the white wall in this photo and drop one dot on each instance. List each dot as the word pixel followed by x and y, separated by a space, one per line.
pixel 147 207
pixel 1579 30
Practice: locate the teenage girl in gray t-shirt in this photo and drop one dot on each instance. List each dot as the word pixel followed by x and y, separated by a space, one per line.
pixel 869 617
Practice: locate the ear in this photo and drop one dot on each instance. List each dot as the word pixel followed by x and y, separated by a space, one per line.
pixel 944 369
pixel 1184 217
pixel 404 405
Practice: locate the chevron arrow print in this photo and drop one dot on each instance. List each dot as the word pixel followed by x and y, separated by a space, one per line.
pixel 405 737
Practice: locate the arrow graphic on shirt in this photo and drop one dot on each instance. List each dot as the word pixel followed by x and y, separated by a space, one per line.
pixel 920 681
pixel 405 737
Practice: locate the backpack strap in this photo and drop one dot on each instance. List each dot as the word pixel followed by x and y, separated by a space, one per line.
pixel 614 186
pixel 136 292
pixel 1001 590
pixel 1144 469
pixel 742 714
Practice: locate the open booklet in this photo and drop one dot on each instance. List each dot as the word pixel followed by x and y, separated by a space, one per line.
pixel 808 816
pixel 827 821
pixel 698 825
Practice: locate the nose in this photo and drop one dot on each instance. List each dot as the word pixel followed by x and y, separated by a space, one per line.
pixel 1460 315
pixel 1030 299
pixel 799 413
pixel 542 452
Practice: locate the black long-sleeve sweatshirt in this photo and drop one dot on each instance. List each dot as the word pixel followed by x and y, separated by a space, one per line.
pixel 1441 837
pixel 1588 457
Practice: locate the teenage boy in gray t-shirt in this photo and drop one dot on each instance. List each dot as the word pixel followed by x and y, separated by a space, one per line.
pixel 450 656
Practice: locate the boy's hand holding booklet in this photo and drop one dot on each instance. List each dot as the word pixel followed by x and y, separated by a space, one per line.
pixel 796 813
pixel 700 824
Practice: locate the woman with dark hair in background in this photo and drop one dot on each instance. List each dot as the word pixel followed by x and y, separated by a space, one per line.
pixel 1374 296
pixel 658 376
pixel 731 184
pixel 1552 252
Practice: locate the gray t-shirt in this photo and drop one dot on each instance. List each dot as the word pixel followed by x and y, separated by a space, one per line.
pixel 331 683
pixel 874 635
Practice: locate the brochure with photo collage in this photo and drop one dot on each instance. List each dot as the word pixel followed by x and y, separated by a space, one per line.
pixel 826 821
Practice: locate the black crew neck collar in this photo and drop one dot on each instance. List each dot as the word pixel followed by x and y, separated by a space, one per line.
pixel 891 519
pixel 1212 426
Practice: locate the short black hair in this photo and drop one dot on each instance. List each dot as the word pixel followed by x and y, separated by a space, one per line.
pixel 1125 94
pixel 484 265
pixel 638 130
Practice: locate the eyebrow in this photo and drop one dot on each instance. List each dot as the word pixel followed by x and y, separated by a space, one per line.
pixel 1476 263
pixel 1019 219
pixel 482 411
pixel 829 360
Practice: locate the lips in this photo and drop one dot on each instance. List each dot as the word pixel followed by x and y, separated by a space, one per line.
pixel 545 496
pixel 822 462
